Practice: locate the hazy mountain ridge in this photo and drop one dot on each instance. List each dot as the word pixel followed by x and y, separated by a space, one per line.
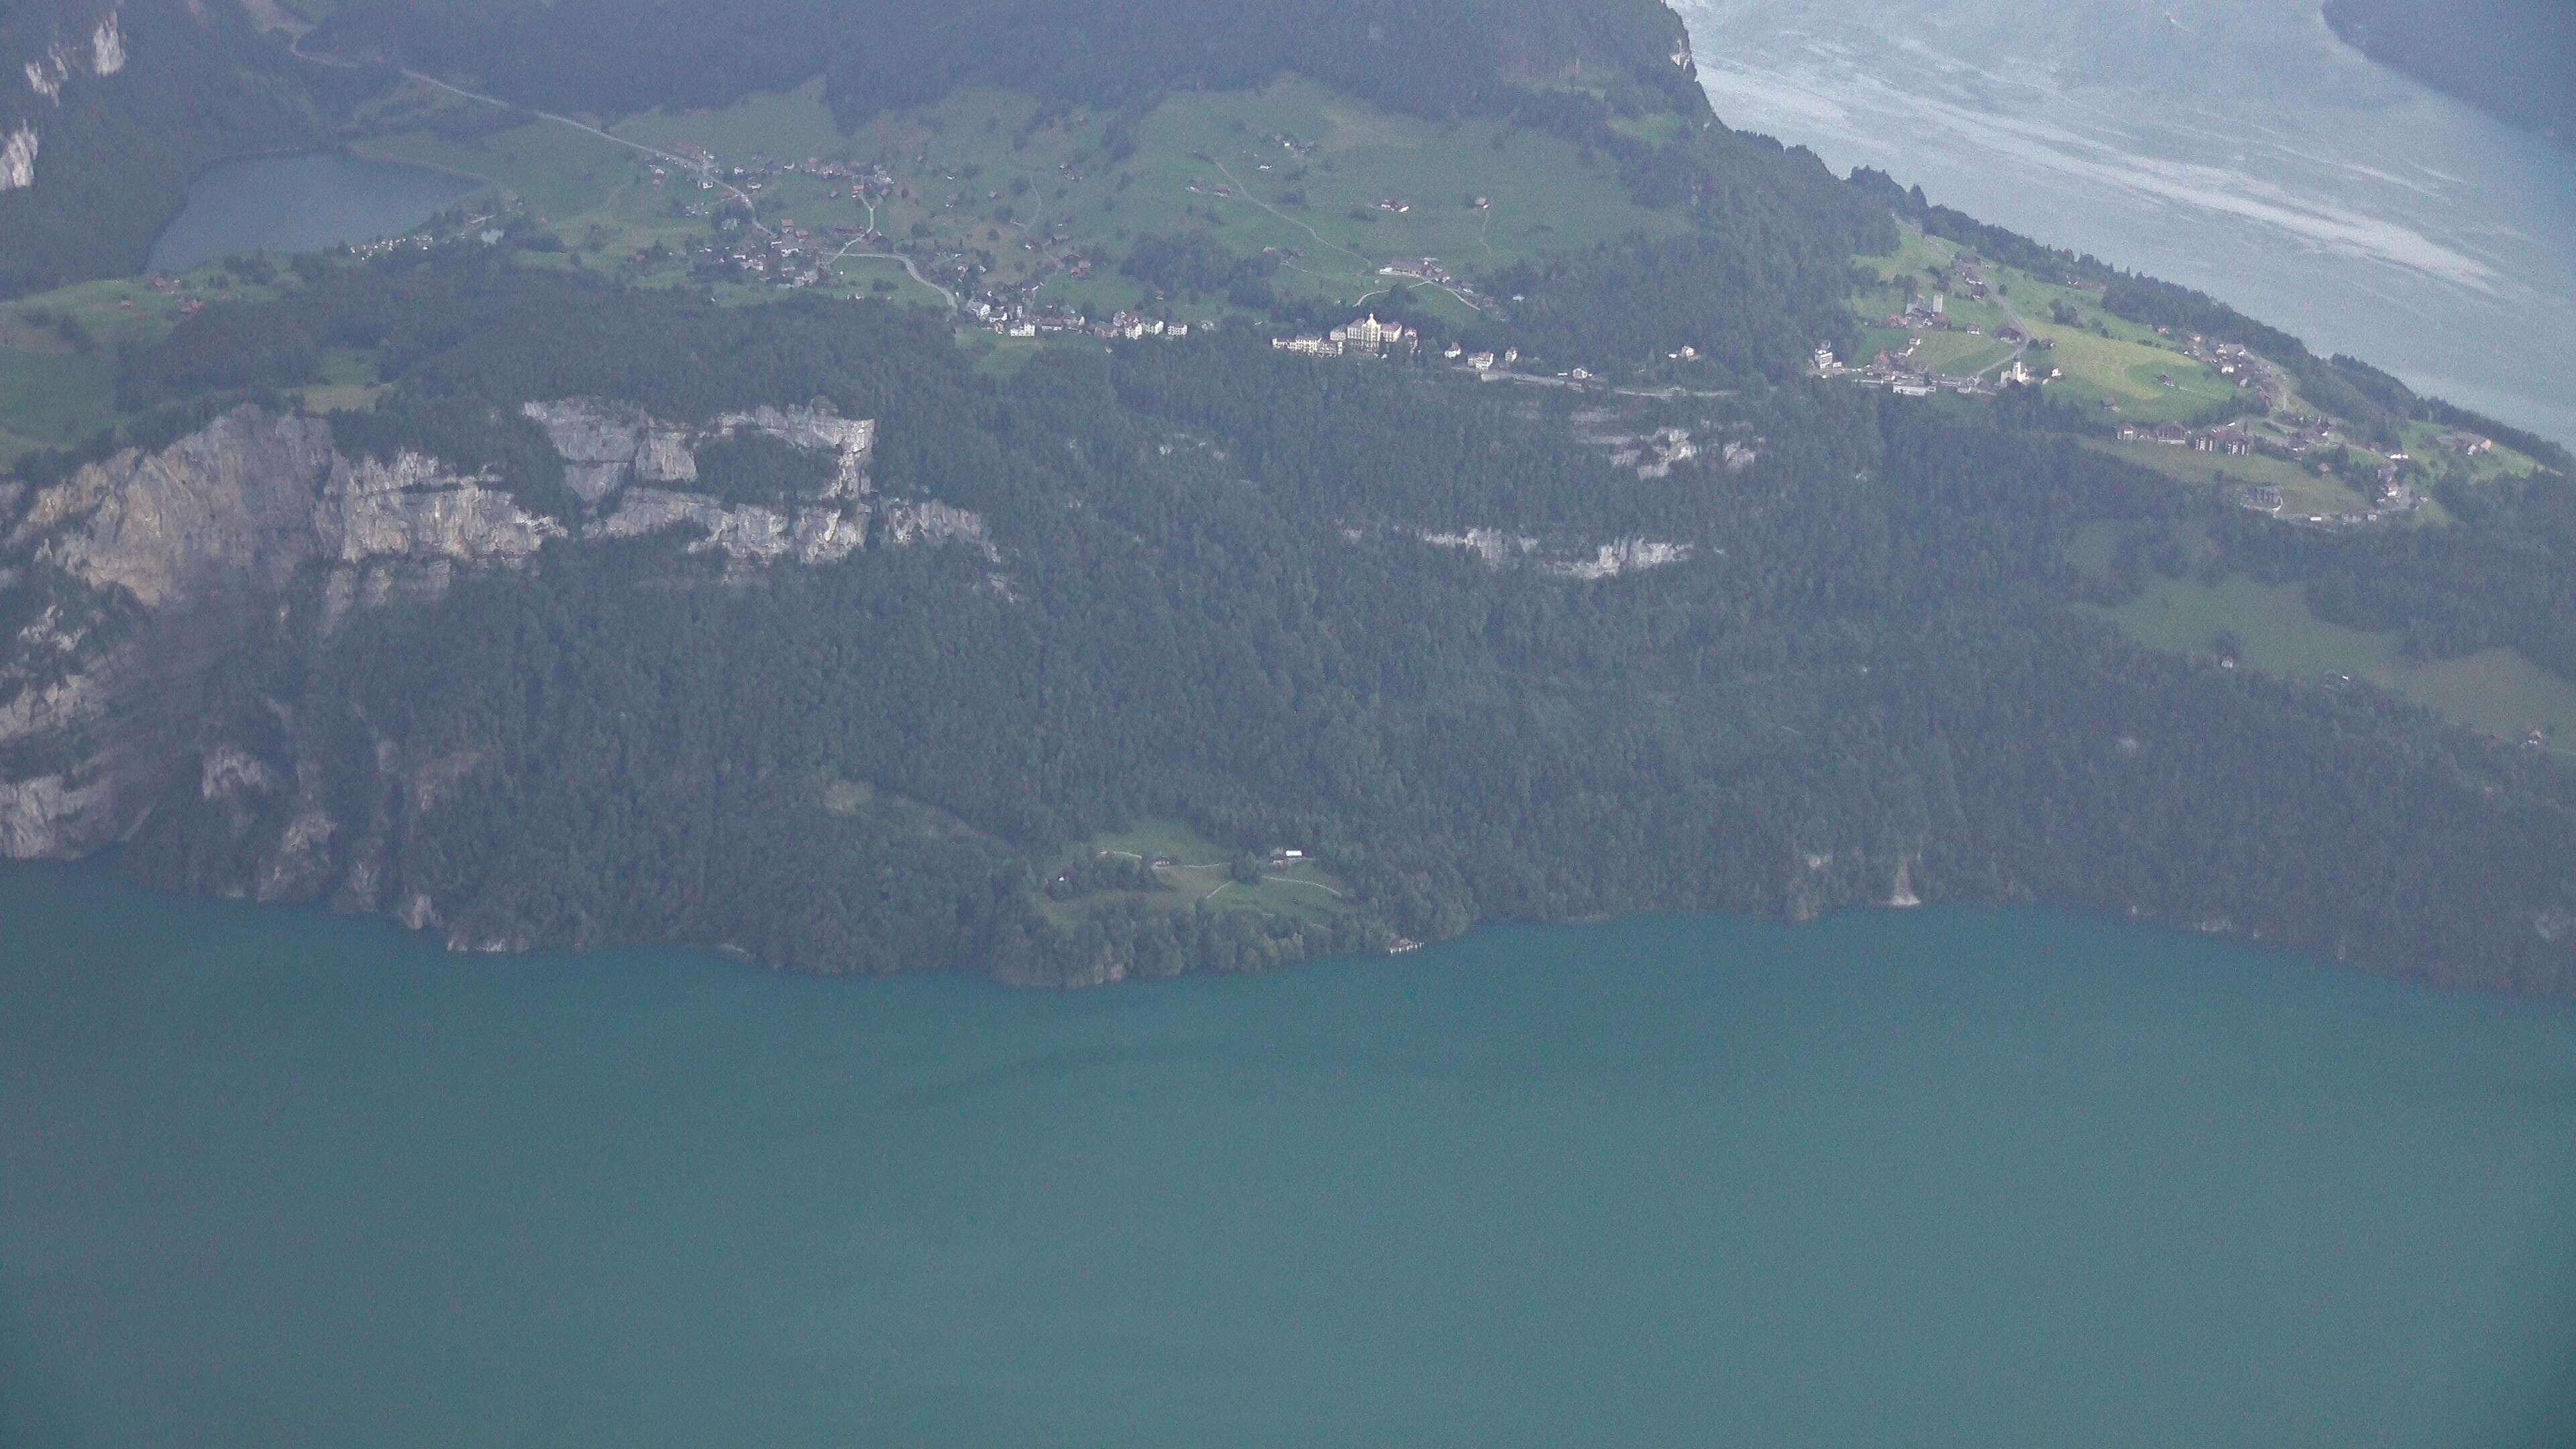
pixel 2514 58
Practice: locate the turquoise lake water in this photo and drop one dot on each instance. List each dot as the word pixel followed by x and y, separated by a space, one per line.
pixel 300 204
pixel 1957 1177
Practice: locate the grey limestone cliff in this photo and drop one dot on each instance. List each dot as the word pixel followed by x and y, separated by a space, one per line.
pixel 124 585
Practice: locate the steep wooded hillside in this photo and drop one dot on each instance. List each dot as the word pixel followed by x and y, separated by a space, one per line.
pixel 2515 58
pixel 107 110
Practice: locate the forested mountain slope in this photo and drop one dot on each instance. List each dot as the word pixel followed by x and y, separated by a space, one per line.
pixel 109 107
pixel 1438 57
pixel 2515 58
pixel 543 596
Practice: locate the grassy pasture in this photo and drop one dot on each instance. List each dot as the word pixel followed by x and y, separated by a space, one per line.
pixel 781 125
pixel 564 176
pixel 52 393
pixel 52 398
pixel 1960 354
pixel 980 174
pixel 2304 491
pixel 2122 368
pixel 2497 690
pixel 1200 871
pixel 2126 373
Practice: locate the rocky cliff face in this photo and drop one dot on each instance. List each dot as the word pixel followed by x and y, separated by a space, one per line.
pixel 135 573
pixel 631 469
pixel 123 585
pixel 249 502
pixel 18 158
pixel 1588 562
pixel 99 53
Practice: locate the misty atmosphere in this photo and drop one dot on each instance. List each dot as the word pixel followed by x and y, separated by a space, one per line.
pixel 1437 722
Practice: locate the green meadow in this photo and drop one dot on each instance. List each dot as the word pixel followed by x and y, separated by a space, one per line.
pixel 1196 870
pixel 1334 188
pixel 2496 690
pixel 2123 370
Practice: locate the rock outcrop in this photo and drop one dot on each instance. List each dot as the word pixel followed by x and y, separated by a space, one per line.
pixel 127 582
pixel 1620 556
pixel 1598 561
pixel 99 55
pixel 632 470
pixel 152 563
pixel 748 532
pixel 107 47
pixel 18 158
pixel 608 445
pixel 245 504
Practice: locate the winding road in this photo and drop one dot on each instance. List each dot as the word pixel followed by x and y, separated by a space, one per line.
pixel 1244 193
pixel 295 47
pixel 910 270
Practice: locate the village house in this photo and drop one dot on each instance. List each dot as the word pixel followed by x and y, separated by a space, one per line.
pixel 1425 269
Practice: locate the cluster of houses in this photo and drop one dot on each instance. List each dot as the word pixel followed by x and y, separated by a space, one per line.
pixel 1019 320
pixel 1429 271
pixel 1367 337
pixel 787 256
pixel 2231 440
pixel 1900 374
pixel 1931 314
pixel 2388 486
pixel 1932 311
pixel 710 170
pixel 192 304
pixel 1419 269
pixel 1967 272
pixel 2401 500
pixel 2238 364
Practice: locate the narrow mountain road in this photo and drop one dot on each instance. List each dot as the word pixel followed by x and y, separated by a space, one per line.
pixel 295 47
pixel 1245 192
pixel 910 270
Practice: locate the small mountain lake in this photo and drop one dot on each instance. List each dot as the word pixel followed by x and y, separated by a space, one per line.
pixel 300 204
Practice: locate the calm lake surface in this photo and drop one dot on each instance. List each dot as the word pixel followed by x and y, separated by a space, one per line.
pixel 300 204
pixel 2233 145
pixel 1942 1178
